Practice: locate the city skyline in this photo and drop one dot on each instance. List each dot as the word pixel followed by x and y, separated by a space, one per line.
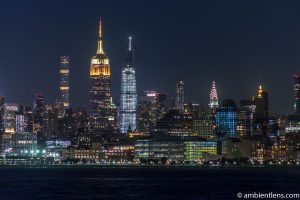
pixel 281 92
pixel 149 99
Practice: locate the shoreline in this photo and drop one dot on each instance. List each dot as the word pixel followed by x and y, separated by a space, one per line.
pixel 83 166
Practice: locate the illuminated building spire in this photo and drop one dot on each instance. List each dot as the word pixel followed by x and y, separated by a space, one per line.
pixel 100 47
pixel 213 96
pixel 130 58
pixel 260 91
pixel 297 94
pixel 130 45
pixel 180 96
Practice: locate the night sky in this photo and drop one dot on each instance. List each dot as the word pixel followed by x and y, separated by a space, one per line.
pixel 238 44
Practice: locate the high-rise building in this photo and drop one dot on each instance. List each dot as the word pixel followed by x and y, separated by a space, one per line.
pixel 39 114
pixel 52 120
pixel 143 114
pixel 64 81
pixel 297 94
pixel 175 123
pixel 100 89
pixel 152 106
pixel 10 111
pixel 24 119
pixel 226 119
pixel 80 121
pixel 128 94
pixel 158 106
pixel 262 106
pixel 64 87
pixel 245 122
pixel 28 119
pixel 245 118
pixel 193 108
pixel 2 100
pixel 179 104
pixel 204 127
pixel 213 98
pixel 20 119
pixel 114 118
pixel 69 130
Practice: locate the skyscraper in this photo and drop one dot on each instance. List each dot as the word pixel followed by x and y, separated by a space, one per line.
pixel 226 119
pixel 204 127
pixel 245 118
pixel 20 119
pixel 244 124
pixel 143 113
pixel 39 114
pixel 64 87
pixel 192 108
pixel 128 93
pixel 297 94
pixel 2 100
pixel 152 106
pixel 100 89
pixel 28 119
pixel 262 105
pixel 180 96
pixel 9 124
pixel 53 120
pixel 175 123
pixel 80 121
pixel 213 98
pixel 9 118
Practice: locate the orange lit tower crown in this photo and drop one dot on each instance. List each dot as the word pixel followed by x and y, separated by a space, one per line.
pixel 100 62
pixel 260 91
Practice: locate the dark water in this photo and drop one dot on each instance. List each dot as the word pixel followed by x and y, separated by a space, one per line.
pixel 144 183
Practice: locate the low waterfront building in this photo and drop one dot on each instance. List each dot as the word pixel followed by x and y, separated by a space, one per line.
pixel 238 148
pixel 171 150
pixel 118 153
pixel 25 143
pixel 81 154
pixel 177 150
pixel 54 148
pixel 141 149
pixel 200 150
pixel 106 153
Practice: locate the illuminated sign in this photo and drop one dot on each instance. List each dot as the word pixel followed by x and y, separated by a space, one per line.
pixel 292 129
pixel 64 71
pixel 151 95
pixel 57 144
pixel 11 107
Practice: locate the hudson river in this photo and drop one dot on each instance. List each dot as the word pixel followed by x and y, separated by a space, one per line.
pixel 144 183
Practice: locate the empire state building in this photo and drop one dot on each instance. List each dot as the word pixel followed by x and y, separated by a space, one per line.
pixel 100 89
